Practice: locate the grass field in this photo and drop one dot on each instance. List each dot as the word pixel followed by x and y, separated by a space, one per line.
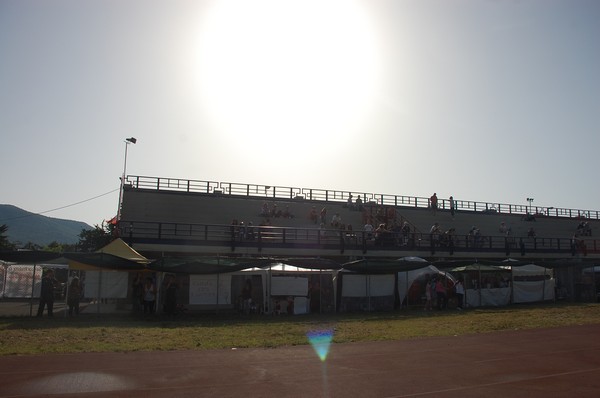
pixel 95 333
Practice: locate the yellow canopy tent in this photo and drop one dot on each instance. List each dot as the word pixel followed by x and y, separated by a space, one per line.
pixel 117 255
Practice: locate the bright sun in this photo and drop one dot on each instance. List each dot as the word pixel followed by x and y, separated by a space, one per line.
pixel 301 72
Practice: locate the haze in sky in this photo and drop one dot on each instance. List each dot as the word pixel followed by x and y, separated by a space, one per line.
pixel 492 101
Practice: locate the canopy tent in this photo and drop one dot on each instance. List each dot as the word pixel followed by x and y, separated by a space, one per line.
pixel 506 282
pixel 299 290
pixel 366 292
pixel 485 285
pixel 411 283
pixel 532 283
pixel 372 284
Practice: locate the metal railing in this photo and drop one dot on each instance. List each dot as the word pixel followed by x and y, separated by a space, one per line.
pixel 312 238
pixel 326 195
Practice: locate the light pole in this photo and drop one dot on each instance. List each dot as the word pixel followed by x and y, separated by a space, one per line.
pixel 128 141
pixel 530 200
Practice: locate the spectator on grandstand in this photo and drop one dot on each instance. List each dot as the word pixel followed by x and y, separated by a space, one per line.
pixel 359 205
pixel 584 229
pixel 234 229
pixel 405 233
pixel 336 220
pixel 531 233
pixel 503 229
pixel 242 231
pixel 275 212
pixel 323 215
pixel 287 213
pixel 451 200
pixel 349 234
pixel 447 238
pixel 433 203
pixel 349 202
pixel 474 236
pixel 313 216
pixel 368 229
pixel 380 234
pixel 250 231
pixel 322 231
pixel 264 211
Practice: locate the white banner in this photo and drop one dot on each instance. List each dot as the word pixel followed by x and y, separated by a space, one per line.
pixel 210 289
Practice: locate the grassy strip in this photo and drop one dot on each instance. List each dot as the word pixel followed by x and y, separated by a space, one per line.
pixel 124 334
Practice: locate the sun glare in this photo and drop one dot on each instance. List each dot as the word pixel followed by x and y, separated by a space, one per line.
pixel 300 72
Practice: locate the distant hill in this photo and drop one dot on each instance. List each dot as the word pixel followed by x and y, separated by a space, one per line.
pixel 24 227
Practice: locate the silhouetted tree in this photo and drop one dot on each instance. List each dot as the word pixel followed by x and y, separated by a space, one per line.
pixel 4 242
pixel 93 239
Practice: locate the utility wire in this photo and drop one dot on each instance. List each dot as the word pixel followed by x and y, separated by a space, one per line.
pixel 62 207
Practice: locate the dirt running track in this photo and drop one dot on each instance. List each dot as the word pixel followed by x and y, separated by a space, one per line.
pixel 560 362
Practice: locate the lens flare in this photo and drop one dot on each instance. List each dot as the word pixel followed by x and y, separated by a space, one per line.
pixel 320 340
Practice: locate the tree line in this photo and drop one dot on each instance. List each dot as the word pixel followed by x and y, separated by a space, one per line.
pixel 89 240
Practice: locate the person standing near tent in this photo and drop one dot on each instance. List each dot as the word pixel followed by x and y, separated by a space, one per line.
pixel 428 291
pixel 459 289
pixel 137 294
pixel 170 303
pixel 247 296
pixel 47 293
pixel 73 296
pixel 440 291
pixel 149 296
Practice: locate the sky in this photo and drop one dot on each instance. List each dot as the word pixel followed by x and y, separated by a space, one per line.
pixel 494 101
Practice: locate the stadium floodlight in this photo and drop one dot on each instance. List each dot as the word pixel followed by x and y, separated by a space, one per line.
pixel 130 140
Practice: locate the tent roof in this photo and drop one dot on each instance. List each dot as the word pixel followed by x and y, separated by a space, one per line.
pixel 119 248
pixel 479 268
pixel 208 265
pixel 382 266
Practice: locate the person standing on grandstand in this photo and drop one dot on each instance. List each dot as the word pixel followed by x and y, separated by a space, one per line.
pixel 368 228
pixel 433 203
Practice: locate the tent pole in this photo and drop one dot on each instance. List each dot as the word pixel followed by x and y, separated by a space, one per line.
pixel 479 282
pixel 407 287
pixel 320 290
pixel 32 289
pixel 544 286
pixel 5 266
pixel 99 293
pixel 217 308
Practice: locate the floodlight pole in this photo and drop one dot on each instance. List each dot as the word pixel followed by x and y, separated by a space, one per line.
pixel 128 141
pixel 530 200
